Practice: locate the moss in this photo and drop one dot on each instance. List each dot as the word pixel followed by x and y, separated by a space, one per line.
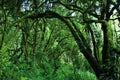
pixel 109 34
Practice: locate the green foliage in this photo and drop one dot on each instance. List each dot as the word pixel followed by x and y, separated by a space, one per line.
pixel 42 39
pixel 65 72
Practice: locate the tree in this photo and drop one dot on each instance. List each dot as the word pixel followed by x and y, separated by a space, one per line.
pixel 94 26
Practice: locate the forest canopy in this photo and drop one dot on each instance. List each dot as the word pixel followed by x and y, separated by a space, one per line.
pixel 60 39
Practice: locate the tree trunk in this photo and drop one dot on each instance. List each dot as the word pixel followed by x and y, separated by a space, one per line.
pixel 109 55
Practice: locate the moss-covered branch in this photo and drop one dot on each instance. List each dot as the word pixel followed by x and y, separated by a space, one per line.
pixel 108 41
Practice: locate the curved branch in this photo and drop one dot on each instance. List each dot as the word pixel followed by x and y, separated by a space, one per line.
pixel 79 38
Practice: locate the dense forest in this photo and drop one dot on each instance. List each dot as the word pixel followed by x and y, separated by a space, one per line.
pixel 59 39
